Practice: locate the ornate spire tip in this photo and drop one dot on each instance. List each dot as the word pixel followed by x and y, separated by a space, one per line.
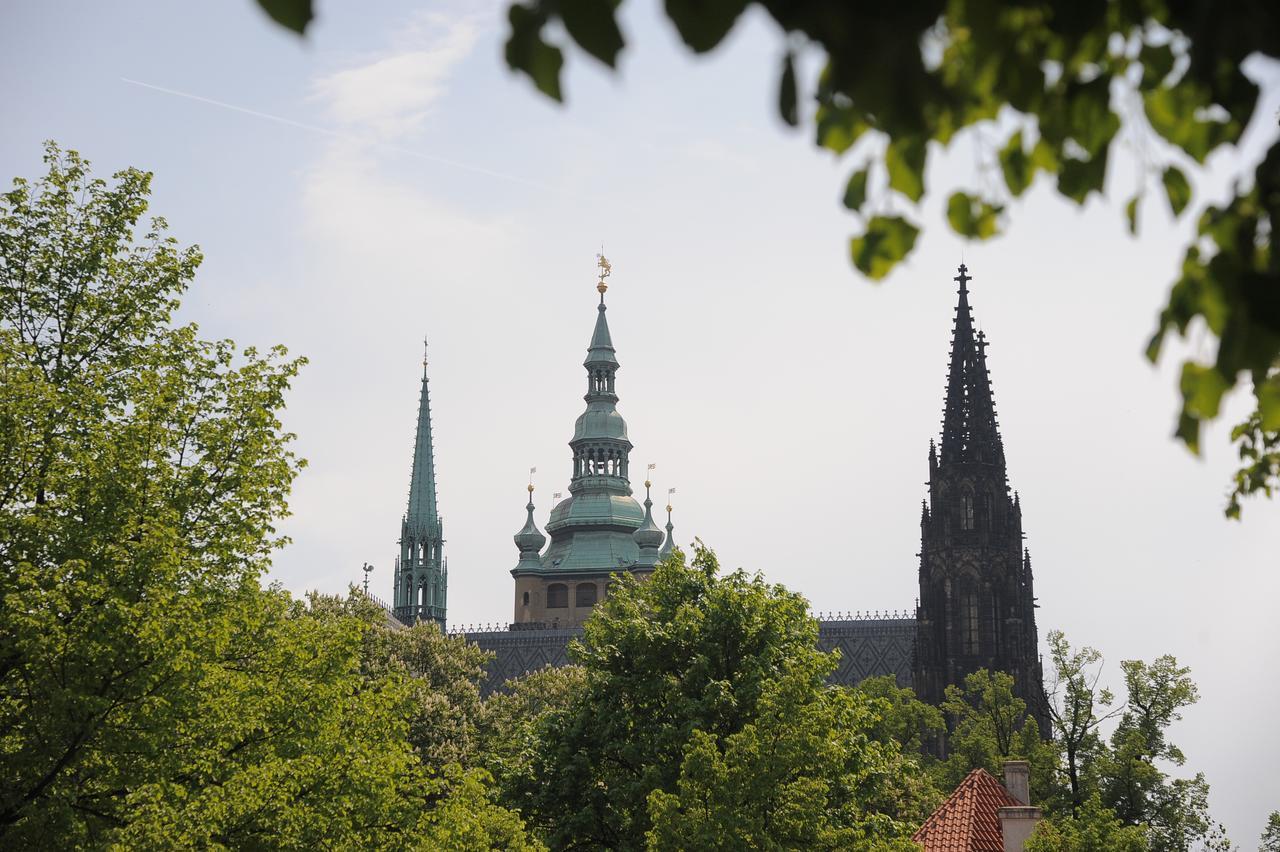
pixel 606 269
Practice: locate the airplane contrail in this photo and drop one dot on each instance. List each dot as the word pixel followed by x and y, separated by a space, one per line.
pixel 338 134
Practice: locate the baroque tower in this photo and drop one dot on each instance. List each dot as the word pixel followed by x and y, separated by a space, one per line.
pixel 599 529
pixel 422 574
pixel 977 605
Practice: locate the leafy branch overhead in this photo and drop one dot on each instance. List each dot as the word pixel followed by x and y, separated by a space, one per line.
pixel 1056 81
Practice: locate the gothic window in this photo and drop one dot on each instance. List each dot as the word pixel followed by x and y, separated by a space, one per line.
pixel 966 511
pixel 969 620
pixel 557 596
pixel 586 595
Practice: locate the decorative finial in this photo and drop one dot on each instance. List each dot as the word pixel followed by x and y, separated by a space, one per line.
pixel 606 269
pixel 670 491
pixel 424 356
pixel 647 481
pixel 963 278
pixel 532 471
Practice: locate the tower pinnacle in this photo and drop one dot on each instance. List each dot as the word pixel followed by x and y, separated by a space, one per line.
pixel 422 577
pixel 649 537
pixel 970 431
pixel 670 541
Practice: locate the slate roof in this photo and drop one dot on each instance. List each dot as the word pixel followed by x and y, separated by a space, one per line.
pixel 968 821
pixel 868 647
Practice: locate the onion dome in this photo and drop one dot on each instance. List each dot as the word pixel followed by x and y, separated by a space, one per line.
pixel 671 541
pixel 530 539
pixel 649 537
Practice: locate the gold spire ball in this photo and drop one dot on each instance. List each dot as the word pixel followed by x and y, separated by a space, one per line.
pixel 605 270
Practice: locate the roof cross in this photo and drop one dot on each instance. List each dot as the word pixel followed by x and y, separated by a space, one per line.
pixel 963 278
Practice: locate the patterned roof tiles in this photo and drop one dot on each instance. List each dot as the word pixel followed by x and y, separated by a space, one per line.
pixel 968 821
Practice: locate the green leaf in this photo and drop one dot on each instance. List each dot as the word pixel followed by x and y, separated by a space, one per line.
pixel 1268 394
pixel 1174 113
pixel 787 91
pixel 592 26
pixel 972 217
pixel 1131 214
pixel 838 128
pixel 886 241
pixel 855 192
pixel 1177 188
pixel 703 23
pixel 1202 389
pixel 1017 166
pixel 1077 178
pixel 1157 62
pixel 291 14
pixel 905 159
pixel 527 52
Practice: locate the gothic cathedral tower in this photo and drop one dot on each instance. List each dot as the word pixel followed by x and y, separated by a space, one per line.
pixel 422 574
pixel 977 607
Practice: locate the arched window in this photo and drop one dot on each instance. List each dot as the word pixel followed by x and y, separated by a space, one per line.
pixel 969 621
pixel 586 594
pixel 966 511
pixel 557 596
pixel 526 598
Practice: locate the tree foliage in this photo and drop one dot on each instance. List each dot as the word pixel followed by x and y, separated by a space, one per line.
pixel 989 725
pixel 1091 827
pixel 1078 707
pixel 703 711
pixel 152 694
pixel 1270 841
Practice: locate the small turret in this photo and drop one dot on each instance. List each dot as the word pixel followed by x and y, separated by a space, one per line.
pixel 530 539
pixel 649 537
pixel 671 539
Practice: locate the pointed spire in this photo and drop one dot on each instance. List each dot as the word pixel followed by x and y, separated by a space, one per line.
pixel 670 541
pixel 601 350
pixel 649 537
pixel 530 539
pixel 422 520
pixel 970 432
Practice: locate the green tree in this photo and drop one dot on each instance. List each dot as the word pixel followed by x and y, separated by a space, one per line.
pixel 677 668
pixel 1270 841
pixel 989 725
pixel 511 727
pixel 901 717
pixel 1175 810
pixel 152 694
pixel 1091 827
pixel 801 775
pixel 1077 707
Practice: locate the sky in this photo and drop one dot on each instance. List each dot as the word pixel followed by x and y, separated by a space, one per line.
pixel 387 178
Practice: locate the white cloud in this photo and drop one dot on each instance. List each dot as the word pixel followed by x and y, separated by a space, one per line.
pixel 391 96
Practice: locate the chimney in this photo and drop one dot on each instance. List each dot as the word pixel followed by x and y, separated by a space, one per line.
pixel 1018 823
pixel 1017 780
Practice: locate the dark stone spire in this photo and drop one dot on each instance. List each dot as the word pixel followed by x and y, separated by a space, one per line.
pixel 970 431
pixel 977 607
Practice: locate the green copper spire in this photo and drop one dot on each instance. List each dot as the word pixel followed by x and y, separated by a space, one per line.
pixel 422 574
pixel 529 540
pixel 671 539
pixel 591 530
pixel 648 538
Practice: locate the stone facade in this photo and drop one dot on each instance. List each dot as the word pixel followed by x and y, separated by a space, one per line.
pixel 868 647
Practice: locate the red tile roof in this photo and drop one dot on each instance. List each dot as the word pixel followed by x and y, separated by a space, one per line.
pixel 967 820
